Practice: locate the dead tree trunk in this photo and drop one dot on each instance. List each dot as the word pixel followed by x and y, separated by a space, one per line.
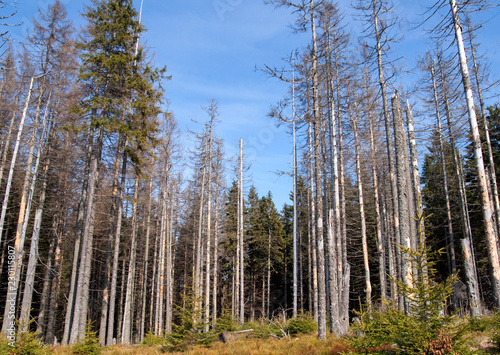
pixel 491 239
pixel 404 196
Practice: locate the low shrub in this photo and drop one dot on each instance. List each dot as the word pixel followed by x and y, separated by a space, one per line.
pixel 88 345
pixel 150 339
pixel 302 324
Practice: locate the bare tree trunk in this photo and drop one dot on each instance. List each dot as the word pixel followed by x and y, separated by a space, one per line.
pixel 24 209
pixel 312 229
pixel 152 313
pixel 390 148
pixel 70 307
pixel 491 239
pixel 111 236
pixel 404 197
pixel 334 229
pixel 198 251
pixel 378 220
pixel 364 242
pixel 491 160
pixel 295 239
pixel 451 236
pixel 472 283
pixel 8 138
pixel 116 249
pixel 11 174
pixel 146 262
pixel 54 291
pixel 86 251
pixel 242 248
pixel 417 193
pixel 170 271
pixel 120 303
pixel 33 256
pixel 216 261
pixel 160 282
pixel 318 180
pixel 212 110
pixel 128 308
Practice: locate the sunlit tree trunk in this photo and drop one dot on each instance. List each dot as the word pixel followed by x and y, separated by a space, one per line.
pixel 364 242
pixel 11 172
pixel 129 292
pixel 404 196
pixel 491 240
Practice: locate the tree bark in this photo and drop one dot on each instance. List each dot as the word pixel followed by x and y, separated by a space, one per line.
pixel 404 197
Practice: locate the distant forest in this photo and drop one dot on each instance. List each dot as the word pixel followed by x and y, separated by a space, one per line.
pixel 103 225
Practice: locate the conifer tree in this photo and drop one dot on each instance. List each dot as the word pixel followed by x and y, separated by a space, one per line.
pixel 120 96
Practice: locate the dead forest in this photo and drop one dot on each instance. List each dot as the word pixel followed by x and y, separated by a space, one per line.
pixel 108 221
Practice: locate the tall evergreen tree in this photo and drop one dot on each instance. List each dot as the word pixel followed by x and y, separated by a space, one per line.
pixel 119 95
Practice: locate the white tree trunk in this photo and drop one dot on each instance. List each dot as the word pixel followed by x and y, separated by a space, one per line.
pixel 491 240
pixel 129 292
pixel 11 170
pixel 404 197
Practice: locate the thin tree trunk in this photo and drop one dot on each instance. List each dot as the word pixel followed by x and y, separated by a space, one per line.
pixel 295 239
pixel 212 111
pixel 54 291
pixel 318 180
pixel 312 228
pixel 390 148
pixel 116 249
pixel 128 308
pixel 449 219
pixel 146 262
pixel 111 236
pixel 170 271
pixel 491 160
pixel 120 302
pixel 404 197
pixel 216 248
pixel 242 248
pixel 68 323
pixel 364 242
pixel 334 215
pixel 378 219
pixel 33 256
pixel 86 251
pixel 8 137
pixel 24 209
pixel 11 174
pixel 160 282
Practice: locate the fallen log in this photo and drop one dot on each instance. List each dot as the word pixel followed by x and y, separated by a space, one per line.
pixel 227 337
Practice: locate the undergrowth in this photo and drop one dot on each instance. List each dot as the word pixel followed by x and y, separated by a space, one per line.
pixel 425 328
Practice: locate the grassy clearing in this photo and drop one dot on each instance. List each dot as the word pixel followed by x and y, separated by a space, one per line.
pixel 303 345
pixel 481 337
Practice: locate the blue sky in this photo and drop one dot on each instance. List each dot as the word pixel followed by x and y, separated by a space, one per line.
pixel 211 49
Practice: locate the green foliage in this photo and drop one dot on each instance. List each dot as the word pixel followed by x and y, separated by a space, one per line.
pixel 263 328
pixel 425 329
pixel 150 339
pixel 188 333
pixel 302 324
pixel 89 345
pixel 226 322
pixel 26 343
pixel 489 325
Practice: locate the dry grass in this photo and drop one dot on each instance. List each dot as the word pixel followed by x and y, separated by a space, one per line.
pixel 304 345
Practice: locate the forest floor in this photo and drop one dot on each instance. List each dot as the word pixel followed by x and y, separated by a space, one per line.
pixel 480 343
